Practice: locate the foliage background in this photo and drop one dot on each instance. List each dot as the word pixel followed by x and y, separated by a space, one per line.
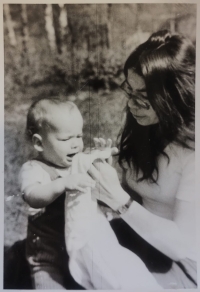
pixel 83 61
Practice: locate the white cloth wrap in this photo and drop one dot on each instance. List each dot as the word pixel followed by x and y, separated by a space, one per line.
pixel 97 260
pixel 80 208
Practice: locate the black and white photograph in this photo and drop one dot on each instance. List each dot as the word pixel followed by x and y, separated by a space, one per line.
pixel 99 146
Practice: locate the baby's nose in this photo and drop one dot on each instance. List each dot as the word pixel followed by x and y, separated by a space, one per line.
pixel 74 143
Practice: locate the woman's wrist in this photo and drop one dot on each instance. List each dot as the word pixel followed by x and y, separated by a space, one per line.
pixel 123 199
pixel 124 207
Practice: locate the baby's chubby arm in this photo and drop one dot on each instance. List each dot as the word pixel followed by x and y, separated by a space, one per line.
pixel 39 196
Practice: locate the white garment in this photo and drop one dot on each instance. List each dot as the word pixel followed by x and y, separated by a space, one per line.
pixel 32 173
pixel 97 260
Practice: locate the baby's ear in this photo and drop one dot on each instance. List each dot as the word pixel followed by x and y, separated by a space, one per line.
pixel 37 142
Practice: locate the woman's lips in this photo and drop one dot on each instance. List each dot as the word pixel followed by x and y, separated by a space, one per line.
pixel 136 116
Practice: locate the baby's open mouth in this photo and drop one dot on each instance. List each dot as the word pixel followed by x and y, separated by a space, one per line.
pixel 71 155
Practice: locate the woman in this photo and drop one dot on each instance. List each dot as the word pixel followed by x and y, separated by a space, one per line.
pixel 157 159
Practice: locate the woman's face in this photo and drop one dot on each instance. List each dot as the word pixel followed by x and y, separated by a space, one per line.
pixel 138 103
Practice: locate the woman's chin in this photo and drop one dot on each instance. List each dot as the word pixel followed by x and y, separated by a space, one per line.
pixel 145 121
pixel 142 121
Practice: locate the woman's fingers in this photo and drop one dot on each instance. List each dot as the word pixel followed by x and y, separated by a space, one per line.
pixel 87 150
pixel 87 182
pixel 114 150
pixel 97 143
pixel 82 190
pixel 102 142
pixel 109 143
pixel 110 160
pixel 106 153
pixel 94 172
pixel 106 147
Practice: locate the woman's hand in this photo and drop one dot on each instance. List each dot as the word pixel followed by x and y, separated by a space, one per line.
pixel 102 144
pixel 102 150
pixel 108 188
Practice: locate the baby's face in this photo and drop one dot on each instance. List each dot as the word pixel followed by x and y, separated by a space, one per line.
pixel 64 139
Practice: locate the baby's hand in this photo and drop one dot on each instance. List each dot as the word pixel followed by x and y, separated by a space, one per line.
pixel 78 182
pixel 105 147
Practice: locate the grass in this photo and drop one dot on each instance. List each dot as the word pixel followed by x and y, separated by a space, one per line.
pixel 102 112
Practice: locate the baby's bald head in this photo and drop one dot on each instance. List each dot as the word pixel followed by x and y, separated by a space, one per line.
pixel 41 112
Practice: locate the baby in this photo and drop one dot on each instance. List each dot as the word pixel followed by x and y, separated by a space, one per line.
pixel 54 128
pixel 65 216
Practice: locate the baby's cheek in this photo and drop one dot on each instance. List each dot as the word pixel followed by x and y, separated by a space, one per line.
pixel 81 146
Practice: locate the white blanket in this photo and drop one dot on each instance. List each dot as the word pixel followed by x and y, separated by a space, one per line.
pixel 97 260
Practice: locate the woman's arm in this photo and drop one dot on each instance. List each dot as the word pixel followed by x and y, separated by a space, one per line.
pixel 168 236
pixel 165 235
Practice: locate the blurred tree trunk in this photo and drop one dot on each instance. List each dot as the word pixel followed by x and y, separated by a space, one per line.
pixel 50 27
pixel 72 42
pixel 109 38
pixel 25 34
pixel 9 24
pixel 104 25
pixel 63 20
pixel 56 23
pixel 172 20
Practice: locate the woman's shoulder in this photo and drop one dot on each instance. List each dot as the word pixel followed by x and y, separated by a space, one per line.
pixel 180 155
pixel 174 149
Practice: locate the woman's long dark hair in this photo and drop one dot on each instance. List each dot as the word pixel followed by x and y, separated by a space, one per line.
pixel 167 64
